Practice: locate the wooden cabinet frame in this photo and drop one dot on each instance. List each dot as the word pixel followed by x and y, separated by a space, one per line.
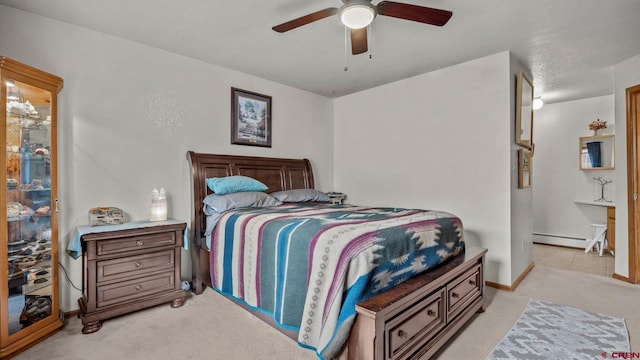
pixel 12 342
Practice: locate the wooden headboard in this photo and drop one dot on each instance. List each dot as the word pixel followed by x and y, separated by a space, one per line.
pixel 277 173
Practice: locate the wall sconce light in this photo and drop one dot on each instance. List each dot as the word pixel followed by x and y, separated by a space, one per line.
pixel 537 103
pixel 357 14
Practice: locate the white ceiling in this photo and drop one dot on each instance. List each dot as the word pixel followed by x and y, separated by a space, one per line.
pixel 569 45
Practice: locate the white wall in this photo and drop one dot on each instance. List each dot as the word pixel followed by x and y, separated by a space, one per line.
pixel 557 177
pixel 440 140
pixel 627 74
pixel 128 114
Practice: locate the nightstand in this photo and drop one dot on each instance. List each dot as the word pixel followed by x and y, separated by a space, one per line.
pixel 129 267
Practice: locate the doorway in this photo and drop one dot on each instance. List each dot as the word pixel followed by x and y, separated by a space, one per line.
pixel 574 259
pixel 633 181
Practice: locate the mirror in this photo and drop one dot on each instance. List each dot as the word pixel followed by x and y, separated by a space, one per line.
pixel 597 152
pixel 524 111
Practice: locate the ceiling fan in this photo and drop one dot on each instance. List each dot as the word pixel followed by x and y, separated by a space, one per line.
pixel 358 14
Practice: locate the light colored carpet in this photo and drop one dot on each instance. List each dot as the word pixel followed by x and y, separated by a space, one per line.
pixel 209 326
pixel 548 330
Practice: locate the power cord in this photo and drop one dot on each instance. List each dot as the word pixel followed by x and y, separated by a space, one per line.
pixel 67 276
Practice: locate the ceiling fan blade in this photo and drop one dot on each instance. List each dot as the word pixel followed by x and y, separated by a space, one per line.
pixel 304 20
pixel 417 13
pixel 359 41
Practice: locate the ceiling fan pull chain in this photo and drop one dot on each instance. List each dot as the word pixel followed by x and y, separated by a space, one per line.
pixel 370 35
pixel 346 31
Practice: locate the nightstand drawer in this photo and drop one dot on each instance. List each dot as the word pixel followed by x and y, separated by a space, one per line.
pixel 134 243
pixel 122 292
pixel 135 265
pixel 466 288
pixel 417 324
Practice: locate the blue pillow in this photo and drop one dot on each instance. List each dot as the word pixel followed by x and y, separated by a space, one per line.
pixel 300 195
pixel 233 184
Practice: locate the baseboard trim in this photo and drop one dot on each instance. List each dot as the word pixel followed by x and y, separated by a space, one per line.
pixel 559 240
pixel 515 283
pixel 622 278
pixel 558 246
pixel 72 313
pixel 498 286
pixel 523 275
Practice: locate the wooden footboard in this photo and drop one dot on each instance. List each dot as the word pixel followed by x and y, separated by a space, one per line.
pixel 411 321
pixel 416 318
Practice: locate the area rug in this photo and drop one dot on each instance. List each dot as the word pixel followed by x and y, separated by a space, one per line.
pixel 550 331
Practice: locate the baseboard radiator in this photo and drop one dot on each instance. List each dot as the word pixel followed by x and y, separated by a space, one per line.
pixel 559 240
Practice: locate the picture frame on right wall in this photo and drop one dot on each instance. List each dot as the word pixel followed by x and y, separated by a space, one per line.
pixel 524 169
pixel 524 111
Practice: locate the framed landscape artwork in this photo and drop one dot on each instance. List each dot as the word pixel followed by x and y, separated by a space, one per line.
pixel 250 118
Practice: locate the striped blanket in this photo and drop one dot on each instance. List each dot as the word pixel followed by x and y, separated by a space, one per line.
pixel 308 265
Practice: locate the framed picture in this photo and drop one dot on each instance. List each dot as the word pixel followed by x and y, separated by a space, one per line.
pixel 250 118
pixel 524 111
pixel 524 169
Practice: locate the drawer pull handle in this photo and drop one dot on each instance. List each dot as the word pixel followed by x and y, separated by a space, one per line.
pixel 138 287
pixel 431 313
pixel 139 242
pixel 455 295
pixel 472 282
pixel 138 265
pixel 402 334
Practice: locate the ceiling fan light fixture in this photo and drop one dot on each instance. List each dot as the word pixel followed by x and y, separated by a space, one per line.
pixel 357 15
pixel 538 103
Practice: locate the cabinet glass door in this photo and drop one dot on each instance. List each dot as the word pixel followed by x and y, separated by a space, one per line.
pixel 28 194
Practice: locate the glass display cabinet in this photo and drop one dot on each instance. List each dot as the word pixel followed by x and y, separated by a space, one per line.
pixel 28 208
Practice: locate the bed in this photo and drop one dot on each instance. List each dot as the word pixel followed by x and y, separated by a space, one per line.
pixel 405 307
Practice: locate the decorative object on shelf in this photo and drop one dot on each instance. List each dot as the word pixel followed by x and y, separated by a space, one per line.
pixel 602 183
pixel 595 153
pixel 524 111
pixel 105 215
pixel 524 169
pixel 158 205
pixel 250 118
pixel 597 125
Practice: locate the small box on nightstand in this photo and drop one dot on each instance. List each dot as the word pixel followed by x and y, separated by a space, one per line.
pixel 336 197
